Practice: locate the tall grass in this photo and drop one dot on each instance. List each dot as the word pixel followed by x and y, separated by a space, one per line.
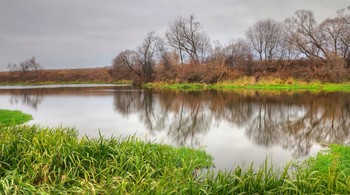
pixel 37 160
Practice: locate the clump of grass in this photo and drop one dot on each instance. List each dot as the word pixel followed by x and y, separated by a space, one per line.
pixel 13 117
pixel 55 160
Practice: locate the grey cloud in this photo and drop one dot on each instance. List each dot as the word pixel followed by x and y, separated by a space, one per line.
pixel 89 33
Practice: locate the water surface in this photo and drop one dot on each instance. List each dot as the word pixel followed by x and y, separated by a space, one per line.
pixel 235 127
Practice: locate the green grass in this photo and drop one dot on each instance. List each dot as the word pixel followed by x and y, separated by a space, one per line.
pixel 262 84
pixel 333 160
pixel 13 117
pixel 38 160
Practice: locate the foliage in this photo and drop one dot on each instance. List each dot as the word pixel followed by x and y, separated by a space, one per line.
pixel 10 117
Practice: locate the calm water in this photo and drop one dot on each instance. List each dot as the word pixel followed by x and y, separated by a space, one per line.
pixel 235 127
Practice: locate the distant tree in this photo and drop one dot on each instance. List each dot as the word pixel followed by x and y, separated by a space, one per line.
pixel 34 65
pixel 266 38
pixel 25 66
pixel 12 67
pixel 186 36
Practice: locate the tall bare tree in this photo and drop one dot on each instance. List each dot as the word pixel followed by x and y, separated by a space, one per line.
pixel 147 51
pixel 266 38
pixel 304 34
pixel 186 36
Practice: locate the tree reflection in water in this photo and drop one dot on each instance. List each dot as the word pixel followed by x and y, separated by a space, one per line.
pixel 30 98
pixel 294 121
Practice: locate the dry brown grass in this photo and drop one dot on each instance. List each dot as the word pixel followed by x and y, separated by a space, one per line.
pixel 63 75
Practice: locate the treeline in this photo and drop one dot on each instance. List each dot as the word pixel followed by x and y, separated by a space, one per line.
pixel 299 46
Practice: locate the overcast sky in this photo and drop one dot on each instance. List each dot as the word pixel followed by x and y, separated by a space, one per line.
pixel 90 33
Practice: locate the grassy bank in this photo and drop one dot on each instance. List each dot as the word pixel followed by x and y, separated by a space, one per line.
pixel 252 83
pixel 13 117
pixel 38 160
pixel 55 161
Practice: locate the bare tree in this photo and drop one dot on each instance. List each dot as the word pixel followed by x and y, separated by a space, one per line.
pixel 34 65
pixel 25 66
pixel 186 36
pixel 334 32
pixel 304 35
pixel 146 52
pixel 344 14
pixel 217 56
pixel 266 38
pixel 237 53
pixel 164 54
pixel 141 62
pixel 126 64
pixel 12 67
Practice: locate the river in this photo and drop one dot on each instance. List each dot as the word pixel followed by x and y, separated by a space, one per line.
pixel 236 127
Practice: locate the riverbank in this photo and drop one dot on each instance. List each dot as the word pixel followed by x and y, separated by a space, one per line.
pixel 252 83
